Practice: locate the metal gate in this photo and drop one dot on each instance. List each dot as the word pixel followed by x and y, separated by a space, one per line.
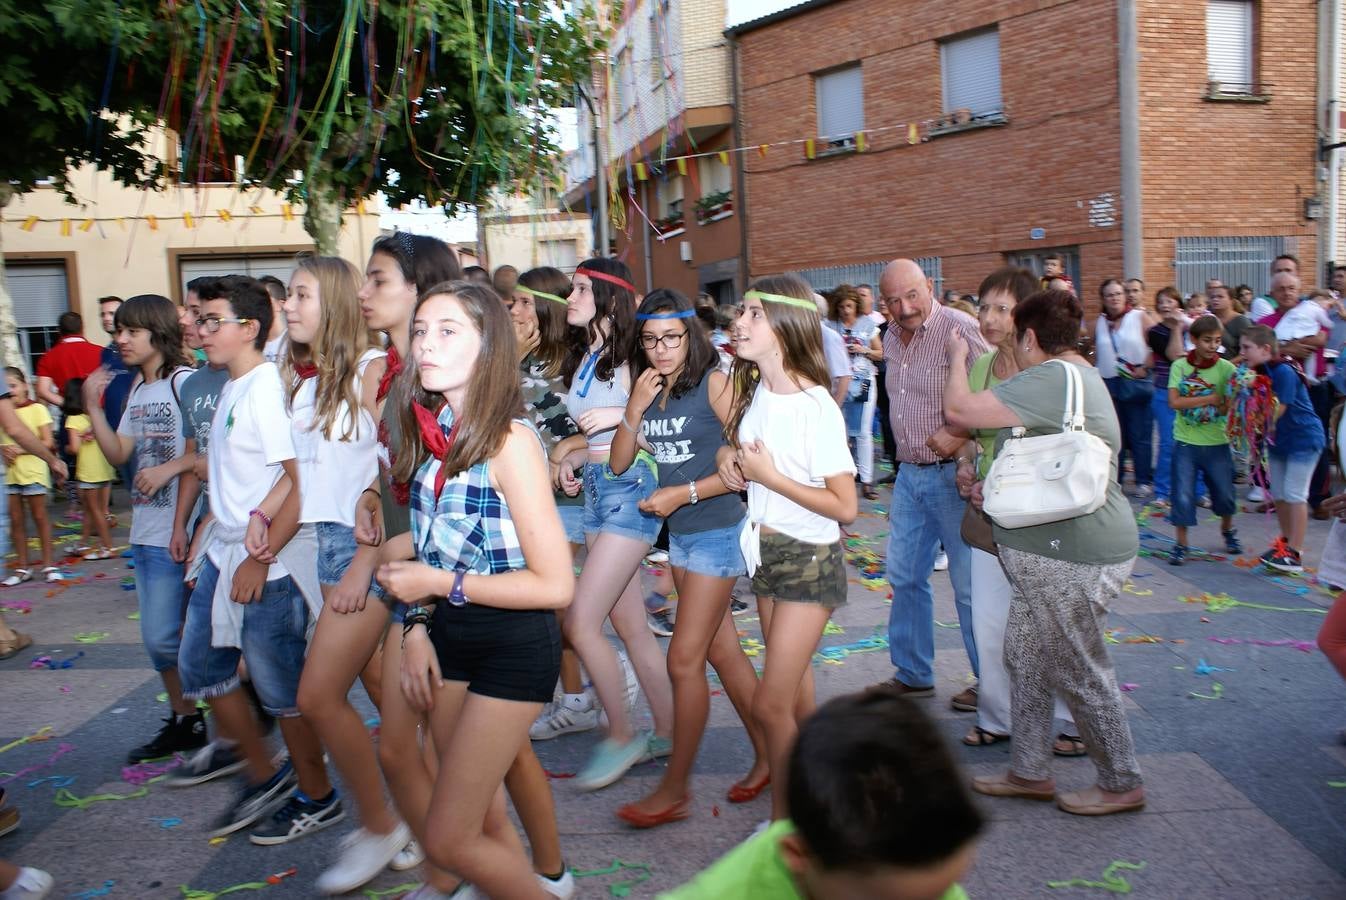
pixel 1234 260
pixel 828 277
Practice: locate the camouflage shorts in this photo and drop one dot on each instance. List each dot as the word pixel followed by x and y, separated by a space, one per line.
pixel 802 572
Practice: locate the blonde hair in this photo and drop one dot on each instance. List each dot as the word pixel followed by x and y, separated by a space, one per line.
pixel 338 344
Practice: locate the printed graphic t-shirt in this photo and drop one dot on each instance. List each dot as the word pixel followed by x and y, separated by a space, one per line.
pixel 154 422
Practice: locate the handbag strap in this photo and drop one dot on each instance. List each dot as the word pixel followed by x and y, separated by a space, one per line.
pixel 1073 419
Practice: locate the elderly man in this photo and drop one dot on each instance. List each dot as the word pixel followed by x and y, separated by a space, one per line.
pixel 1264 306
pixel 927 509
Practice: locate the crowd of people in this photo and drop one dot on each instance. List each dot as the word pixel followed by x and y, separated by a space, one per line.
pixel 391 476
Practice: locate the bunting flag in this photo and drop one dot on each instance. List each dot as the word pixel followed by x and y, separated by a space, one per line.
pixel 724 156
pixel 287 212
pixel 682 166
pixel 187 220
pixel 641 173
pixel 810 149
pixel 29 223
pixel 860 142
pixel 65 228
pixel 86 225
pixel 225 215
pixel 913 133
pixel 152 222
pixel 761 150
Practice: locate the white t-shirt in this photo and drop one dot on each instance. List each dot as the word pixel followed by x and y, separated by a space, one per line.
pixel 273 348
pixel 249 440
pixel 1301 321
pixel 834 349
pixel 807 438
pixel 154 421
pixel 332 473
pixel 1261 308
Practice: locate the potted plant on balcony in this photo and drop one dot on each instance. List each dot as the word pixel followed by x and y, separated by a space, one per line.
pixel 712 205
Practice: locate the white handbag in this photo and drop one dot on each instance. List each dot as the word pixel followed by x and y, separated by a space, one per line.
pixel 1050 477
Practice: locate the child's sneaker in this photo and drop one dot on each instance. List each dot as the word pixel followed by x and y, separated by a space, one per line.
pixel 1283 558
pixel 1177 555
pixel 1231 542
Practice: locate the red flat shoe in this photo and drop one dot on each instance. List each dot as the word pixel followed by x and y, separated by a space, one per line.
pixel 637 819
pixel 740 794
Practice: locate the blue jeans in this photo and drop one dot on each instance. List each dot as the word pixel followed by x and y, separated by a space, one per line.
pixel 926 512
pixel 163 600
pixel 1137 425
pixel 1217 464
pixel 1163 420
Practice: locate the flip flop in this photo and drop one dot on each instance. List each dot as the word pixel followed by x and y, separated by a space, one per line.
pixel 1077 747
pixel 983 738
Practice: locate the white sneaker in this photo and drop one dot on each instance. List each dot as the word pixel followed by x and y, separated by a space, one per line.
pixel 409 857
pixel 34 884
pixel 1256 494
pixel 942 562
pixel 562 718
pixel 1144 492
pixel 363 855
pixel 563 887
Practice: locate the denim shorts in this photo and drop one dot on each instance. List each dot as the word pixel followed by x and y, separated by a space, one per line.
pixel 162 599
pixel 572 520
pixel 336 550
pixel 715 552
pixel 27 490
pixel 273 637
pixel 610 501
pixel 1291 475
pixel 92 485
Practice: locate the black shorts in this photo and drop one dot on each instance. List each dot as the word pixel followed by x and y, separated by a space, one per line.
pixel 509 654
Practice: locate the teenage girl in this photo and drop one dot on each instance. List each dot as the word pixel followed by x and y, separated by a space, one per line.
pixel 618 532
pixel 93 473
pixel 28 480
pixel 332 374
pixel 481 645
pixel 537 308
pixel 677 412
pixel 788 447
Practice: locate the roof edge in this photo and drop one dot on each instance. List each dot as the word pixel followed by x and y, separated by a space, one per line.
pixel 772 18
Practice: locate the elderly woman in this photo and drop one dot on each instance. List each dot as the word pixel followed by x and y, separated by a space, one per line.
pixel 1064 574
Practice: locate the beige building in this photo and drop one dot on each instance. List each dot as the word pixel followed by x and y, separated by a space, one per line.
pixel 525 233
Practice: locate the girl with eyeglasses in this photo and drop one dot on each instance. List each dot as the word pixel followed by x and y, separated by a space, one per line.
pixel 679 404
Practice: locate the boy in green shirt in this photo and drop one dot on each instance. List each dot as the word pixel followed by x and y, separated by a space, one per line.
pixel 878 810
pixel 1199 390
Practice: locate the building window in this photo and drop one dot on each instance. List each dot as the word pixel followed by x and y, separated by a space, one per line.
pixel 40 294
pixel 970 70
pixel 716 177
pixel 656 48
pixel 1229 46
pixel 669 195
pixel 563 255
pixel 622 76
pixel 840 97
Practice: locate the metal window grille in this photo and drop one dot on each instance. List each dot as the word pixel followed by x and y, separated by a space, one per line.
pixel 826 278
pixel 1234 260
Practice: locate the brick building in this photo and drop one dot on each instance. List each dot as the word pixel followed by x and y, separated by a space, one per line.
pixel 1175 140
pixel 663 92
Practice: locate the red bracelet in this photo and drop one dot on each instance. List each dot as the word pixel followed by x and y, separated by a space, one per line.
pixel 266 520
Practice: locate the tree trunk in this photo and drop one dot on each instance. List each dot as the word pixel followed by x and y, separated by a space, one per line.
pixel 322 216
pixel 9 329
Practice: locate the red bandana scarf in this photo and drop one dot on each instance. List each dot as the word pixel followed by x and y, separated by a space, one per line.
pixel 432 436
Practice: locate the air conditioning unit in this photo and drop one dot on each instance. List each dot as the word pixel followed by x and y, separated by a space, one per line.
pixel 685 251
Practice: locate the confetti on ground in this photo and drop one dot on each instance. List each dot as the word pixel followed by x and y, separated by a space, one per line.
pixel 145 772
pixel 135 616
pixel 837 652
pixel 1301 646
pixel 751 646
pixel 1216 692
pixel 67 800
pixel 91 637
pixel 642 873
pixel 46 662
pixel 389 892
pixel 1108 881
pixel 61 750
pixel 1336 784
pixel 271 880
pixel 832 628
pixel 1223 602
pixel 57 781
pixel 216 841
pixel 22 607
pixel 1128 687
pixel 1130 588
pixel 42 734
pixel 1205 668
pixel 167 821
pixel 95 892
pixel 558 776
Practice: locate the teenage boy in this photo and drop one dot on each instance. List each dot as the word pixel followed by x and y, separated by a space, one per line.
pixel 275 339
pixel 1199 388
pixel 252 602
pixel 149 338
pixel 839 842
pixel 1295 440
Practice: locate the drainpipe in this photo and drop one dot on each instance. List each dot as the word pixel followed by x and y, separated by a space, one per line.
pixel 1330 23
pixel 741 197
pixel 645 230
pixel 1133 250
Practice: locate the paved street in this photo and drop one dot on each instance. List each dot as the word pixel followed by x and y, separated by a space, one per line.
pixel 1247 792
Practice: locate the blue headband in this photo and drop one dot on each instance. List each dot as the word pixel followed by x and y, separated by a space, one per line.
pixel 685 314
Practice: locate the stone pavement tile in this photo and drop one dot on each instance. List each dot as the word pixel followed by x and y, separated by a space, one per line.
pixel 1017 858
pixel 1184 782
pixel 1248 848
pixel 33 698
pixel 1297 889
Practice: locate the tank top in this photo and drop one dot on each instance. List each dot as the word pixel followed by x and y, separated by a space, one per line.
pixel 396 518
pixel 333 472
pixel 587 392
pixel 684 436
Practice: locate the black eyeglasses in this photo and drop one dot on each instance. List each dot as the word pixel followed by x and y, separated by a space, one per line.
pixel 669 341
pixel 211 324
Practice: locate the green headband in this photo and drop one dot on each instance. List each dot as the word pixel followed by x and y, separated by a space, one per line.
pixel 532 293
pixel 781 298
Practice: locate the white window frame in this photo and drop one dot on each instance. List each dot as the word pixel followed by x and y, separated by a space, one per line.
pixel 959 88
pixel 839 98
pixel 714 175
pixel 1230 45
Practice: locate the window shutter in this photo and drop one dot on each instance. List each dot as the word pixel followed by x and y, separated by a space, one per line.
pixel 840 97
pixel 39 294
pixel 971 73
pixel 1229 44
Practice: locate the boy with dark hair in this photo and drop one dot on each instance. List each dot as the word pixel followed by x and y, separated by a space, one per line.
pixel 258 585
pixel 275 339
pixel 1200 386
pixel 877 809
pixel 1295 439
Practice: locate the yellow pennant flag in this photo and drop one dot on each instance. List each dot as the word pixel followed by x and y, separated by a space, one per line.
pixel 761 149
pixel 187 220
pixel 153 222
pixel 682 165
pixel 86 225
pixel 913 133
pixel 641 174
pixel 121 223
pixel 724 157
pixel 255 210
pixel 225 215
pixel 360 208
pixel 287 212
pixel 29 223
pixel 860 142
pixel 810 148
pixel 65 228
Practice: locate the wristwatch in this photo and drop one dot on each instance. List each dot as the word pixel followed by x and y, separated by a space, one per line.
pixel 456 596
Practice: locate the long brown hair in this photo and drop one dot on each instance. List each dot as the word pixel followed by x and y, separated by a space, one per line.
pixel 555 336
pixel 800 334
pixel 614 302
pixel 340 341
pixel 493 398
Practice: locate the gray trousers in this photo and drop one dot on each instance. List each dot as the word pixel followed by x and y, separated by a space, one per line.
pixel 1054 645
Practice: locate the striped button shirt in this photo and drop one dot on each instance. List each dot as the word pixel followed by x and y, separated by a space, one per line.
pixel 916 375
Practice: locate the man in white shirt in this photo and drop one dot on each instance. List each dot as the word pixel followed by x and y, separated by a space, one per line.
pixel 1264 306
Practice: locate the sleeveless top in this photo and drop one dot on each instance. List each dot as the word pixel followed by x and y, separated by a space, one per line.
pixel 587 392
pixel 684 436
pixel 332 471
pixel 469 527
pixel 1115 349
pixel 396 519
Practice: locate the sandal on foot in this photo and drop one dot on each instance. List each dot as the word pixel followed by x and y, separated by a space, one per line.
pixel 11 647
pixel 1091 802
pixel 1001 786
pixel 51 575
pixel 1075 746
pixel 98 554
pixel 635 817
pixel 746 793
pixel 868 492
pixel 980 737
pixel 19 577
